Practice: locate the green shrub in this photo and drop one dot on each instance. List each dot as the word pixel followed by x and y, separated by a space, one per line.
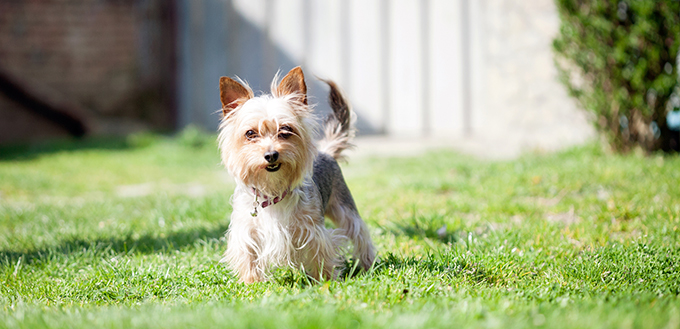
pixel 618 59
pixel 195 137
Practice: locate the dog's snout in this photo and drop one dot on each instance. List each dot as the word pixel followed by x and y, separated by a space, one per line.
pixel 271 156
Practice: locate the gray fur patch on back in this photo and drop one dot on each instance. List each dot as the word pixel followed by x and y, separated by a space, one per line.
pixel 325 170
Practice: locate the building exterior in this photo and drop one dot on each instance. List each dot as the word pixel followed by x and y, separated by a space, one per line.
pixel 452 69
pixel 445 69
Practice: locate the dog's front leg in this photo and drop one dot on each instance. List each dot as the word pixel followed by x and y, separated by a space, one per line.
pixel 241 254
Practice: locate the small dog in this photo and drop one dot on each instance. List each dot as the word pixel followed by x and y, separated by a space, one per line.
pixel 285 184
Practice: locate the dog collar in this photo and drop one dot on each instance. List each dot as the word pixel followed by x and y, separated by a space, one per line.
pixel 268 201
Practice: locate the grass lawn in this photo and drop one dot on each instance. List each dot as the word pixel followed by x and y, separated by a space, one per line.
pixel 128 234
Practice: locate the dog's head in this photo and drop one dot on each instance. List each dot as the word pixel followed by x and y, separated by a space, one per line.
pixel 266 141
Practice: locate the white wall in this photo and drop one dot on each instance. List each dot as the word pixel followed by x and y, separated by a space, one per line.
pixel 437 68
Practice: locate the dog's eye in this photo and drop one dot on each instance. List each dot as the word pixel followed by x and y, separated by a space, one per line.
pixel 251 134
pixel 285 132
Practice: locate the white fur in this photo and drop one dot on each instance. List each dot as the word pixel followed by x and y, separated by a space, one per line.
pixel 279 236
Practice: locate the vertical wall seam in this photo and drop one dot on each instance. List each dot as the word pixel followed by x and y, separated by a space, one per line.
pixel 345 44
pixel 466 76
pixel 268 45
pixel 425 65
pixel 385 64
pixel 306 33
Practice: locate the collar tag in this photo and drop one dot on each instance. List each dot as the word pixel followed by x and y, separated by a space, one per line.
pixel 255 204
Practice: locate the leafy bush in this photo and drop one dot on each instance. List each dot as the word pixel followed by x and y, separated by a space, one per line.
pixel 618 59
pixel 195 137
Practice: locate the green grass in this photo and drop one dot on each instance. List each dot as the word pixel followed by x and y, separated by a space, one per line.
pixel 122 234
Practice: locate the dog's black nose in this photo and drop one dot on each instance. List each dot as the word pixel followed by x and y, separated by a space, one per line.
pixel 271 156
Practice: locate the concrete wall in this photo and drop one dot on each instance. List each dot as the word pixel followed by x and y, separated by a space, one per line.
pixel 456 69
pixel 520 102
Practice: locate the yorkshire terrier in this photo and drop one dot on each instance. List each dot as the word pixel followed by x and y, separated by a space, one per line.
pixel 285 184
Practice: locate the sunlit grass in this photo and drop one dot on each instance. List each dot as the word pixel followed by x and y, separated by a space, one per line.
pixel 129 234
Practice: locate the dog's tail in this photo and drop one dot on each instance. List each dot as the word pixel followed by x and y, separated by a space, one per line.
pixel 339 126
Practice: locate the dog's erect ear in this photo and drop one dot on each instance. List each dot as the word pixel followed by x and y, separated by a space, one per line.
pixel 294 83
pixel 232 94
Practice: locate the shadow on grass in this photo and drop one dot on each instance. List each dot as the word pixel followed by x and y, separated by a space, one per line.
pixel 445 264
pixel 191 136
pixel 422 228
pixel 28 151
pixel 146 244
pixel 297 278
pixel 440 234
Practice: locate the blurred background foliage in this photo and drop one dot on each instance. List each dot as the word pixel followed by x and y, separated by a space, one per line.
pixel 619 60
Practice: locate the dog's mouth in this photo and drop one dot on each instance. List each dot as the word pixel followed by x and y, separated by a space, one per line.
pixel 273 167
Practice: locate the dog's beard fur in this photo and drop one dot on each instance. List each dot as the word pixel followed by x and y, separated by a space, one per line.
pixel 291 233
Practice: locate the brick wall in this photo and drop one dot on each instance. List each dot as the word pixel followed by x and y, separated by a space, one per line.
pixel 112 59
